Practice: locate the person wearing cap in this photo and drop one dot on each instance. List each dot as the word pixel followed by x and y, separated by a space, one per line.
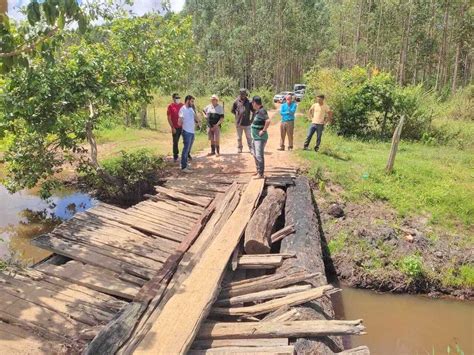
pixel 173 121
pixel 187 119
pixel 214 114
pixel 287 124
pixel 320 114
pixel 242 109
pixel 260 124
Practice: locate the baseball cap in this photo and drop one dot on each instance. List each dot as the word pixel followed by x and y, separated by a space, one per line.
pixel 243 91
pixel 215 97
pixel 257 100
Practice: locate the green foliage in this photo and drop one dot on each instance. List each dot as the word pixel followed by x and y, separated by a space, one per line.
pixel 266 94
pixel 459 276
pixel 133 174
pixel 224 86
pixel 338 243
pixel 368 103
pixel 411 266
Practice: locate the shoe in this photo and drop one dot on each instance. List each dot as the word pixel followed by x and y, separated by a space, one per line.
pixel 281 148
pixel 290 148
pixel 316 149
pixel 190 157
pixel 259 176
pixel 305 148
pixel 240 150
pixel 210 154
pixel 175 160
pixel 186 170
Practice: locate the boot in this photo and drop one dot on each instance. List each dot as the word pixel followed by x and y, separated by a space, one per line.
pixel 213 150
pixel 282 147
pixel 218 152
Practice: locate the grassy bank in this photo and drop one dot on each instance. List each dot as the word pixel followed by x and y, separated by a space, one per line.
pixel 411 230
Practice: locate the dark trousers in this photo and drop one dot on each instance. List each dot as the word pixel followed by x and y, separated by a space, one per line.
pixel 318 128
pixel 188 140
pixel 176 137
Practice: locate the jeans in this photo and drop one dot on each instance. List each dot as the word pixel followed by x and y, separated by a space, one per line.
pixel 188 140
pixel 176 137
pixel 287 129
pixel 258 152
pixel 248 136
pixel 315 127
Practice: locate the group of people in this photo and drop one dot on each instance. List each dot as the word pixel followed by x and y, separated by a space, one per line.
pixel 251 119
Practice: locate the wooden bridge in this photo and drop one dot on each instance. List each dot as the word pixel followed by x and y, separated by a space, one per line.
pixel 207 265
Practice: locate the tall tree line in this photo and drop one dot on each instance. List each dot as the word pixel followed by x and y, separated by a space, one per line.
pixel 273 42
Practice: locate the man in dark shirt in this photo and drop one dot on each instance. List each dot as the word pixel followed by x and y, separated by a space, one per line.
pixel 173 118
pixel 242 109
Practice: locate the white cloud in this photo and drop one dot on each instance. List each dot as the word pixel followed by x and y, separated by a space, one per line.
pixel 177 5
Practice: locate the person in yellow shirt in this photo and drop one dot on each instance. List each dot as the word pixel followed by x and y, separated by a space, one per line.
pixel 320 114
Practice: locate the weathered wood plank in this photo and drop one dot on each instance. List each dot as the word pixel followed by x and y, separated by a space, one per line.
pixel 103 282
pixel 219 343
pixel 257 261
pixel 261 296
pixel 269 306
pixel 243 350
pixel 282 233
pixel 200 201
pixel 294 329
pixel 178 322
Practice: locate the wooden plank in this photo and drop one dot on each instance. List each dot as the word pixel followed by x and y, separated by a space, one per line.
pixel 178 322
pixel 282 233
pixel 199 201
pixel 269 306
pixel 111 337
pixel 266 282
pixel 219 343
pixel 242 350
pixel 226 206
pixel 360 350
pixel 257 261
pixel 294 329
pixel 85 254
pixel 75 272
pixel 282 315
pixel 261 296
pixel 259 229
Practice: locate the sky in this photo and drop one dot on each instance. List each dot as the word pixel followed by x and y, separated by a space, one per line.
pixel 139 7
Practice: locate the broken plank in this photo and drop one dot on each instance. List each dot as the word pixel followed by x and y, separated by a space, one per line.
pixel 219 343
pixel 261 296
pixel 293 329
pixel 200 201
pixel 178 322
pixel 282 233
pixel 293 299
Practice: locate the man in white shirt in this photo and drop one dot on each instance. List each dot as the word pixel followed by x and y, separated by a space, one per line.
pixel 187 119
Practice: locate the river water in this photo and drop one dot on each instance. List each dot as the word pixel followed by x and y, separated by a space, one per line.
pixel 396 324
pixel 23 215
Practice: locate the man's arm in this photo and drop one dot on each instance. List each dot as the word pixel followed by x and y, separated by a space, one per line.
pixel 234 108
pixel 292 108
pixel 170 122
pixel 310 112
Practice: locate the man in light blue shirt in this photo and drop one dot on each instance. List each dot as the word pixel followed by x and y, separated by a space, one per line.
pixel 287 125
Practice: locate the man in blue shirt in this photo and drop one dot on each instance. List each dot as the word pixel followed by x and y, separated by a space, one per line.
pixel 287 125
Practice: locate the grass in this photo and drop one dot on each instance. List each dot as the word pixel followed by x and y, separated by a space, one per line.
pixel 433 180
pixel 338 243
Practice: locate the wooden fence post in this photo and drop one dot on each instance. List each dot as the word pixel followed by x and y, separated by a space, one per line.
pixel 394 148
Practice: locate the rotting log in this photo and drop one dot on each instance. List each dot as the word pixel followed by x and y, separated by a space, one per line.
pixel 294 329
pixel 306 243
pixel 259 228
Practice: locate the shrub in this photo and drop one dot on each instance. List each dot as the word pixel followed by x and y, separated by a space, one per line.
pixel 411 266
pixel 224 86
pixel 125 179
pixel 266 94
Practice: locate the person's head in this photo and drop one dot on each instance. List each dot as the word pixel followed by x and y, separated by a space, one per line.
pixel 320 99
pixel 243 93
pixel 257 102
pixel 189 100
pixel 288 99
pixel 214 100
pixel 176 98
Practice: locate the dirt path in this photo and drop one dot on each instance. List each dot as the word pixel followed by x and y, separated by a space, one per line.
pixel 230 161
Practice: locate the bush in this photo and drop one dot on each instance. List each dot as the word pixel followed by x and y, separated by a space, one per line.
pixel 224 86
pixel 411 266
pixel 266 94
pixel 125 179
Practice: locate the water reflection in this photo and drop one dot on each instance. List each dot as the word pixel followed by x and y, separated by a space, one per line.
pixel 408 324
pixel 24 215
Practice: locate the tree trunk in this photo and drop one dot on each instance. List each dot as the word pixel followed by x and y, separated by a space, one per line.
pixel 442 51
pixel 144 116
pixel 91 137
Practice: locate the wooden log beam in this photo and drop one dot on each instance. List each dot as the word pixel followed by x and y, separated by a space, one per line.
pixel 180 318
pixel 219 343
pixel 282 233
pixel 293 299
pixel 294 329
pixel 259 228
